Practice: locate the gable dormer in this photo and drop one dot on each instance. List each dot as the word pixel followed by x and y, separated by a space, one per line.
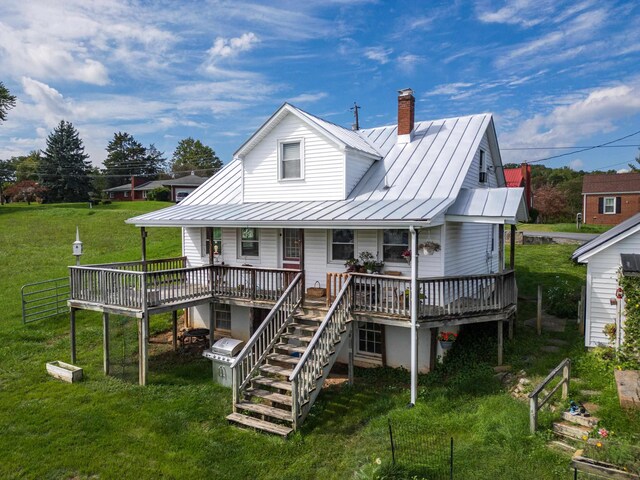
pixel 299 157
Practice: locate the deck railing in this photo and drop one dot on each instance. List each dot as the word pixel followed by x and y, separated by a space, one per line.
pixel 121 284
pixel 263 340
pixel 440 296
pixel 315 362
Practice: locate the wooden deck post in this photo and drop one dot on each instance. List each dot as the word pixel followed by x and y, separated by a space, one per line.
pixel 174 329
pixel 72 319
pixel 143 237
pixel 433 350
pixel 500 248
pixel 512 250
pixel 500 341
pixel 105 341
pixel 352 341
pixel 143 353
pixel 539 311
pixel 512 321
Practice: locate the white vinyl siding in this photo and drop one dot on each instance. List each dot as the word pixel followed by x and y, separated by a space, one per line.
pixel 602 281
pixel 468 249
pixel 315 258
pixel 357 166
pixel 324 167
pixel 192 247
pixel 472 179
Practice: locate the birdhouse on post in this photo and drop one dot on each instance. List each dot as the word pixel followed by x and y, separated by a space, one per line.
pixel 77 247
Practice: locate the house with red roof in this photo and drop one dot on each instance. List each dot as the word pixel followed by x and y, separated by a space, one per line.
pixel 520 178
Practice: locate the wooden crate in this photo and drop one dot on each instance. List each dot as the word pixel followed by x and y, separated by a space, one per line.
pixel 64 371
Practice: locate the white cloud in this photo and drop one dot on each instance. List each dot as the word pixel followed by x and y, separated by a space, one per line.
pixel 378 54
pixel 576 164
pixel 449 89
pixel 308 97
pixel 526 13
pixel 409 61
pixel 231 47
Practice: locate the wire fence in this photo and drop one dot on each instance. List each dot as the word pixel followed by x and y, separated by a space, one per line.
pixel 123 338
pixel 421 453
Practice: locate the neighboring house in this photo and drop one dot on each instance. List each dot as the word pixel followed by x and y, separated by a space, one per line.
pixel 520 177
pixel 305 195
pixel 139 188
pixel 610 198
pixel 604 256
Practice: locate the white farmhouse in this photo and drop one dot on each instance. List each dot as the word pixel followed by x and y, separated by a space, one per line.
pixel 427 200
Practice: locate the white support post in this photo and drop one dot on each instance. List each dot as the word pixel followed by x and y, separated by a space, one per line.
pixel 414 314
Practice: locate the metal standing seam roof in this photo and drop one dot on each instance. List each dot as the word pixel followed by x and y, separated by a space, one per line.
pixel 513 177
pixel 412 184
pixel 620 231
pixel 490 203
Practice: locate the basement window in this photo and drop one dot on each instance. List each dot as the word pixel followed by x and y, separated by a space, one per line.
pixel 222 317
pixel 291 164
pixel 369 338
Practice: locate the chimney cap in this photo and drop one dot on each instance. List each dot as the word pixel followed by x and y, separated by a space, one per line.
pixel 405 92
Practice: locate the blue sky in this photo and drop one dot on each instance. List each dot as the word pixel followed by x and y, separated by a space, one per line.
pixel 554 73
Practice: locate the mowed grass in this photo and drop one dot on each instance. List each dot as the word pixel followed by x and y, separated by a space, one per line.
pixel 563 227
pixel 109 427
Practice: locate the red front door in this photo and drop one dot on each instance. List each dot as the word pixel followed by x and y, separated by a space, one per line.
pixel 292 248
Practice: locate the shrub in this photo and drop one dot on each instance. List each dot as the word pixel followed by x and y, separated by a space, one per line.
pixel 162 194
pixel 629 354
pixel 562 300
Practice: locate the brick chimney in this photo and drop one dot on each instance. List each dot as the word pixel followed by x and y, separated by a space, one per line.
pixel 406 115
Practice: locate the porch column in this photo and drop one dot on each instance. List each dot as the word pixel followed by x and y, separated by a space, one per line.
pixel 512 251
pixel 352 341
pixel 414 314
pixel 105 341
pixel 501 248
pixel 72 320
pixel 174 329
pixel 500 341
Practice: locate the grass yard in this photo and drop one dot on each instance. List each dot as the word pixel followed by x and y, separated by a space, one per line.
pixel 109 427
pixel 562 227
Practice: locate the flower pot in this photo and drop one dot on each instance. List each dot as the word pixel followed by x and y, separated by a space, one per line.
pixel 446 345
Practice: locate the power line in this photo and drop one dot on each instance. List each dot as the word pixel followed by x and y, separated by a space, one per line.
pixel 568 148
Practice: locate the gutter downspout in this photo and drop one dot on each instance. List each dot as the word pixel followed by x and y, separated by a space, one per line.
pixel 414 315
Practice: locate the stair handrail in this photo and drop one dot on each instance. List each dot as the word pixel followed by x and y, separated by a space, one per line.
pixel 306 373
pixel 263 339
pixel 564 369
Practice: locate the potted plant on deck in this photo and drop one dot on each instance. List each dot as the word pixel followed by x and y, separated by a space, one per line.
pixel 446 339
pixel 429 247
pixel 406 255
pixel 368 261
pixel 352 265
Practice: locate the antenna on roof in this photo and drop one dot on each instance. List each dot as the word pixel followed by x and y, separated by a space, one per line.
pixel 354 109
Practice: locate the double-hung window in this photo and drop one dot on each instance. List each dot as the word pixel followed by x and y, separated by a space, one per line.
pixel 249 245
pixel 609 205
pixel 342 244
pixel 291 160
pixel 394 242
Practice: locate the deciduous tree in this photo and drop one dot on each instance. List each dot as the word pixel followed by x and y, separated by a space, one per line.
pixel 26 191
pixel 64 169
pixel 193 155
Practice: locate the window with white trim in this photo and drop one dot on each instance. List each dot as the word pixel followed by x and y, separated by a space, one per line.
pixel 213 239
pixel 126 194
pixel 291 160
pixel 609 204
pixel 394 242
pixel 369 338
pixel 342 244
pixel 249 242
pixel 483 168
pixel 222 317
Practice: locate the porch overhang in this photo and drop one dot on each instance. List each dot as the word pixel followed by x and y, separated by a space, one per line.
pixel 489 205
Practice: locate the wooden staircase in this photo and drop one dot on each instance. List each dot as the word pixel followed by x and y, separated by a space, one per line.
pixel 266 401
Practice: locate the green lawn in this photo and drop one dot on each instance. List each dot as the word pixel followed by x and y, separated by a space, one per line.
pixel 562 227
pixel 109 427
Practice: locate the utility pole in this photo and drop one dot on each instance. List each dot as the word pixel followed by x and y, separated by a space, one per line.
pixel 354 109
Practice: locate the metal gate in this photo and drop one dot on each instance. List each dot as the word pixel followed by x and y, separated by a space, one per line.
pixel 45 299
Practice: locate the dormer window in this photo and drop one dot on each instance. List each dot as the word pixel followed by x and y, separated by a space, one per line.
pixel 290 154
pixel 483 168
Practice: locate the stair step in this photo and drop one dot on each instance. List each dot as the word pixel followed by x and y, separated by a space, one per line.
pixel 571 430
pixel 267 395
pixel 291 348
pixel 266 410
pixel 297 336
pixel 590 422
pixel 288 359
pixel 275 370
pixel 310 317
pixel 272 382
pixel 561 446
pixel 304 327
pixel 258 424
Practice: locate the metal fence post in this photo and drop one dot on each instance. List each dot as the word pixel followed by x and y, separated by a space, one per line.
pixel 393 450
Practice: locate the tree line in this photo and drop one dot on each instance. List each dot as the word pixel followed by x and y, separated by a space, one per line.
pixel 62 173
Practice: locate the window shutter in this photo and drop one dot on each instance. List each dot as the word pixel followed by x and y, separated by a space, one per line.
pixel 618 204
pixel 601 205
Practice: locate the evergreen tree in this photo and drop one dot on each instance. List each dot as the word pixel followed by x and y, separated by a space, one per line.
pixel 7 102
pixel 193 155
pixel 64 169
pixel 127 157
